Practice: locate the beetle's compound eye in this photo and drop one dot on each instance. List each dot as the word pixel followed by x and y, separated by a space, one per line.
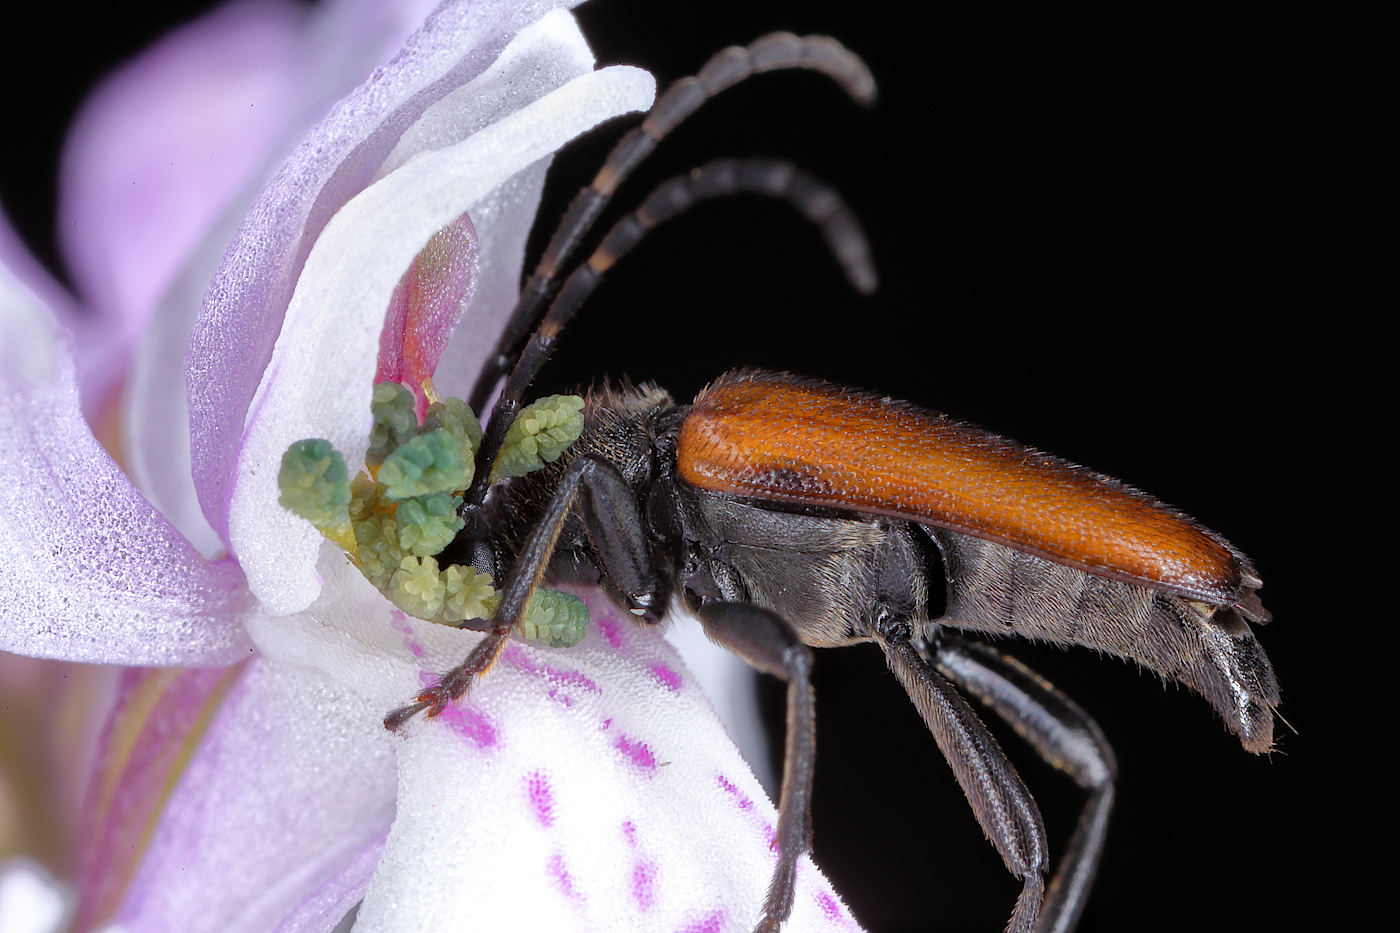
pixel 393 519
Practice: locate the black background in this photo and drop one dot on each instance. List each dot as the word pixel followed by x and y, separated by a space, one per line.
pixel 1122 237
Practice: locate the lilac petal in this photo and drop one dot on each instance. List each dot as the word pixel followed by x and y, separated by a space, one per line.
pixel 159 719
pixel 324 910
pixel 31 274
pixel 343 41
pixel 294 779
pixel 319 381
pixel 91 571
pixel 503 221
pixel 157 152
pixel 242 313
pixel 588 788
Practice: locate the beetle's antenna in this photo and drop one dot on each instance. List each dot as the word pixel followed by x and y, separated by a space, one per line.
pixel 776 51
pixel 816 200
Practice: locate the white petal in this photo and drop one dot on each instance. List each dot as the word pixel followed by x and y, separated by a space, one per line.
pixel 31 900
pixel 732 687
pixel 656 822
pixel 591 788
pixel 319 381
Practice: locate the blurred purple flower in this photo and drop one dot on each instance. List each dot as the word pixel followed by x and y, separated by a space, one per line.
pixel 243 781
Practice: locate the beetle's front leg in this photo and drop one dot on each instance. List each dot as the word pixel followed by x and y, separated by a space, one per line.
pixel 1065 737
pixel 616 532
pixel 998 796
pixel 771 645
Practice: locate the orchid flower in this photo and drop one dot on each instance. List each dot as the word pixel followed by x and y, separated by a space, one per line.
pixel 244 781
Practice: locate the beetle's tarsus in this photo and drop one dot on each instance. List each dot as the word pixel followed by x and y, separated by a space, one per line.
pixel 395 720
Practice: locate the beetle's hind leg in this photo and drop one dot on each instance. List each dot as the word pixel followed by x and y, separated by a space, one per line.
pixel 1065 737
pixel 998 796
pixel 771 645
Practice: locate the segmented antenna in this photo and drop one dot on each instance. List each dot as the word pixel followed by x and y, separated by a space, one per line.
pixel 777 178
pixel 728 67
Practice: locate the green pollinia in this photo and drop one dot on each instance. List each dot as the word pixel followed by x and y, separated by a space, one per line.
pixel 394 518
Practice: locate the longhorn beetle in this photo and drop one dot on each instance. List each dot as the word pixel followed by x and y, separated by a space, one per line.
pixel 785 512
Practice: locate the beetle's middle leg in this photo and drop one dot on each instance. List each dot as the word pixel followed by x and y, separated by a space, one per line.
pixel 619 541
pixel 771 645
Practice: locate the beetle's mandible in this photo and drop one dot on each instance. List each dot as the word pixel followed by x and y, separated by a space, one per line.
pixel 787 513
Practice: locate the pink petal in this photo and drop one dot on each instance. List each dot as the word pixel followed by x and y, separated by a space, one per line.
pixel 323 911
pixel 92 571
pixel 293 781
pixel 159 720
pixel 242 313
pixel 425 308
pixel 158 151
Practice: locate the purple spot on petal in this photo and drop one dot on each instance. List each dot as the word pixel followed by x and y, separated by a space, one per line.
pixel 835 912
pixel 562 879
pixel 404 628
pixel 611 631
pixel 629 832
pixel 518 658
pixel 713 922
pixel 470 724
pixel 638 752
pixel 666 677
pixel 541 798
pixel 644 884
pixel 732 790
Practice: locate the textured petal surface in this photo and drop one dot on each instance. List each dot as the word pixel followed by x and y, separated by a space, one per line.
pixel 587 788
pixel 323 911
pixel 732 687
pixel 91 571
pixel 294 779
pixel 242 313
pixel 321 375
pixel 156 153
pixel 592 788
